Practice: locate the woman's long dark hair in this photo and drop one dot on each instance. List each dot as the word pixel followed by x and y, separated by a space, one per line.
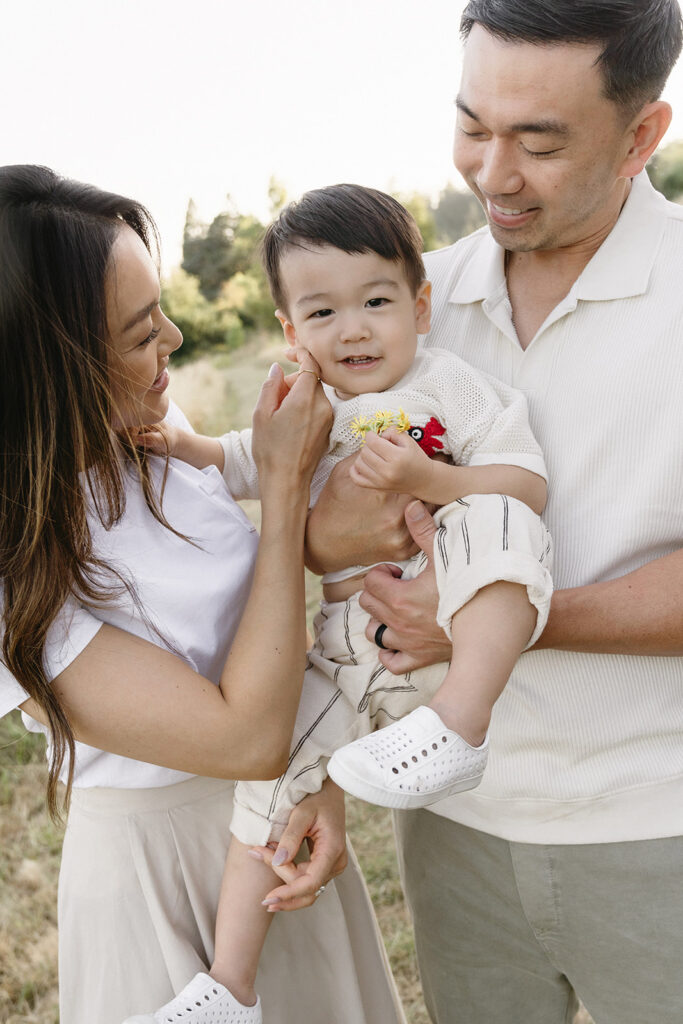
pixel 57 448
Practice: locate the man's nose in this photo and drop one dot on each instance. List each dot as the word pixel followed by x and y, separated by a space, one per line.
pixel 498 173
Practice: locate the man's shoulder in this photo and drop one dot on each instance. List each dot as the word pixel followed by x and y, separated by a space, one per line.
pixel 445 261
pixel 446 267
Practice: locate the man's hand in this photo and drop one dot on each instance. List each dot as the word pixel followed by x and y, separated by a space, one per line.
pixel 407 607
pixel 352 525
pixel 392 461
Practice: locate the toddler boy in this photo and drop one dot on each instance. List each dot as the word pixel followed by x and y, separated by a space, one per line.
pixel 346 273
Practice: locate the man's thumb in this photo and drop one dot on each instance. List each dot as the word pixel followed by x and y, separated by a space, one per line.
pixel 421 525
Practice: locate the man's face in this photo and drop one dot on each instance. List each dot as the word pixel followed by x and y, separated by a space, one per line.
pixel 538 143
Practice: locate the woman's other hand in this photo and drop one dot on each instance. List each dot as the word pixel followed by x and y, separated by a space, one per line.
pixel 292 421
pixel 319 819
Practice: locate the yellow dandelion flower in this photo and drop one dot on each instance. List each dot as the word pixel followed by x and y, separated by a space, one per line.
pixel 383 418
pixel 360 426
pixel 402 422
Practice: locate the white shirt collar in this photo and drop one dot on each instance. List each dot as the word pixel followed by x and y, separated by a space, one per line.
pixel 620 268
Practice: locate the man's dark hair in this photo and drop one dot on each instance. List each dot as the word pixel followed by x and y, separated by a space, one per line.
pixel 641 38
pixel 351 218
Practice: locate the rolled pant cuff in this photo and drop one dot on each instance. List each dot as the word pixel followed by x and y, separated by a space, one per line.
pixel 253 829
pixel 510 567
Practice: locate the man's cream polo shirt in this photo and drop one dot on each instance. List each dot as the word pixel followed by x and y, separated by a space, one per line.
pixel 587 748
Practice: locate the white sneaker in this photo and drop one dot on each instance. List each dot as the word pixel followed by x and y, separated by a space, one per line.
pixel 202 1001
pixel 411 763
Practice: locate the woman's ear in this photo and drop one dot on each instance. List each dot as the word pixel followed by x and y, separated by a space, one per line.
pixel 646 133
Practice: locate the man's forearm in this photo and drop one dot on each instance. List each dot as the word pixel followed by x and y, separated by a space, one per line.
pixel 353 525
pixel 640 613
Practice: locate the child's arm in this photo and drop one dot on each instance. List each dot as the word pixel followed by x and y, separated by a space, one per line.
pixel 395 462
pixel 196 449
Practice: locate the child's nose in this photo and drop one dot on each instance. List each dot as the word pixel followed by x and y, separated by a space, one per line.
pixel 354 328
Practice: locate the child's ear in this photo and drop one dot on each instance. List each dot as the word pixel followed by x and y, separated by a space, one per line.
pixel 288 328
pixel 423 307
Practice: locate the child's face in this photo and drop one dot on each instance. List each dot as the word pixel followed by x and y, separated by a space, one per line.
pixel 355 314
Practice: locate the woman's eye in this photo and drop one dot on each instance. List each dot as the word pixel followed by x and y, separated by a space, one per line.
pixel 320 313
pixel 150 337
pixel 374 303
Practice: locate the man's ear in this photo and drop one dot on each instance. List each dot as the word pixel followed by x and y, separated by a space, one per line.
pixel 423 307
pixel 288 328
pixel 646 132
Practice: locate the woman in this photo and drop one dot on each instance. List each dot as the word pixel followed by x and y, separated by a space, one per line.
pixel 132 585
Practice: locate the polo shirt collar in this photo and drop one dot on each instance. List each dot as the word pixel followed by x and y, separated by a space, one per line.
pixel 618 269
pixel 622 265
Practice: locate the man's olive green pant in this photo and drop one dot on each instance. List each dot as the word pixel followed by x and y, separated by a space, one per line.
pixel 512 933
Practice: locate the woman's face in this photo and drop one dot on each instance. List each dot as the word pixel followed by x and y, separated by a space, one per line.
pixel 140 335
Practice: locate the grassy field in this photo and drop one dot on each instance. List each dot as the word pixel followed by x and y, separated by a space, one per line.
pixel 216 393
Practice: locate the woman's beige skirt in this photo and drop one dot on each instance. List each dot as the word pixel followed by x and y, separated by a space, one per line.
pixel 138 888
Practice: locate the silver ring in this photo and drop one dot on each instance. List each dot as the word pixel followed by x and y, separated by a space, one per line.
pixel 379 633
pixel 320 890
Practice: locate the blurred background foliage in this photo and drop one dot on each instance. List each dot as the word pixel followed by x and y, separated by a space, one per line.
pixel 219 296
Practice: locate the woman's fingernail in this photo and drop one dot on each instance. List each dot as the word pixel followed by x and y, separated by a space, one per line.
pixel 415 510
pixel 270 901
pixel 272 372
pixel 255 854
pixel 280 857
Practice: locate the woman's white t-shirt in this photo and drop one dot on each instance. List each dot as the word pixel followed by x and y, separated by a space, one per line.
pixel 193 594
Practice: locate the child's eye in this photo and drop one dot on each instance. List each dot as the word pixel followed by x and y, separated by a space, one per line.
pixel 150 337
pixel 320 313
pixel 375 303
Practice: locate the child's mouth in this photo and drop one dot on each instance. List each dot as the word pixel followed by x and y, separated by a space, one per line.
pixel 360 360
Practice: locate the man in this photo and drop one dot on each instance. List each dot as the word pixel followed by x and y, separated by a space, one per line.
pixel 561 874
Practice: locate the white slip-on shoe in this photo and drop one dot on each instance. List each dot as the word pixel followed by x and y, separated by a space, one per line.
pixel 202 1001
pixel 411 763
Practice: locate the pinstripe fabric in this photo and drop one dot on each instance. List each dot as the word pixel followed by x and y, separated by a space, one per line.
pixel 587 748
pixel 347 692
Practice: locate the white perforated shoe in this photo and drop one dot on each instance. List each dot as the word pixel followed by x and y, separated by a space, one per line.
pixel 411 763
pixel 202 1001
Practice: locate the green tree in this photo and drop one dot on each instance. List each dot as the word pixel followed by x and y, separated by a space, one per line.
pixel 419 206
pixel 277 197
pixel 457 214
pixel 666 171
pixel 204 324
pixel 246 294
pixel 215 252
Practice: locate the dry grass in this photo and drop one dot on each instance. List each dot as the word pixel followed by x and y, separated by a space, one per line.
pixel 216 394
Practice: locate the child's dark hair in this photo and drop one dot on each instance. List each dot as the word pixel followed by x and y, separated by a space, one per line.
pixel 352 218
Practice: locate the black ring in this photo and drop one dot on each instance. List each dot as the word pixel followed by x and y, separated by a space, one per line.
pixel 379 633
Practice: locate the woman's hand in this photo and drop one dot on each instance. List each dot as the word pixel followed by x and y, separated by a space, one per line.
pixel 292 421
pixel 319 819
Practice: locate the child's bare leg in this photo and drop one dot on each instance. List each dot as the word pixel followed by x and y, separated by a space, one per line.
pixel 489 634
pixel 242 922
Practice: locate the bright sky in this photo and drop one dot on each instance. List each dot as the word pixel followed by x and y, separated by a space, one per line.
pixel 170 99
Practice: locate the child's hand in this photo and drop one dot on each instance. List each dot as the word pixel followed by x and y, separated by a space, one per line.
pixel 391 461
pixel 160 439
